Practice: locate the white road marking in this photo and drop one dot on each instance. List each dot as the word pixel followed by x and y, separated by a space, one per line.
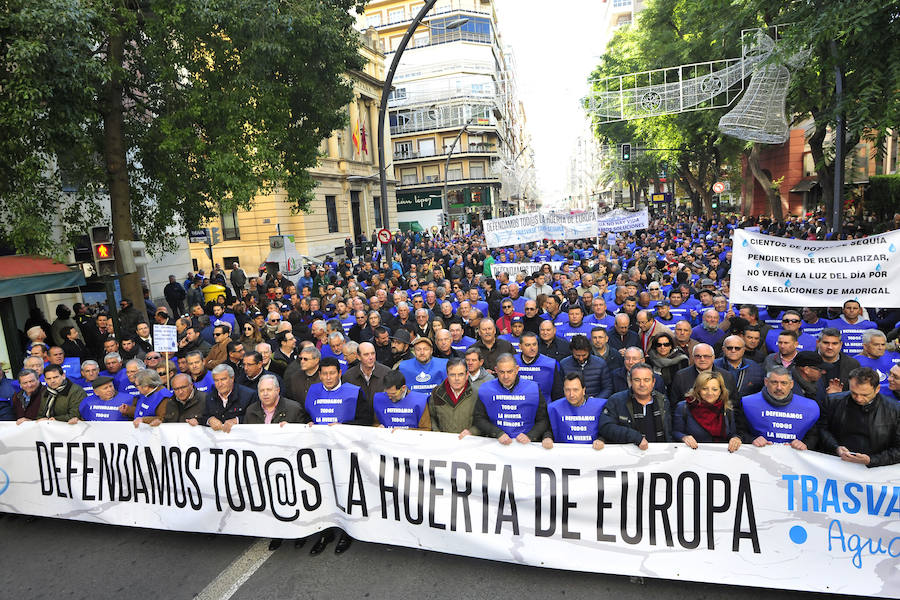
pixel 233 577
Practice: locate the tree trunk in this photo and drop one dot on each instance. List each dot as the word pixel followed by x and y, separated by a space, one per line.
pixel 116 157
pixel 823 170
pixel 773 198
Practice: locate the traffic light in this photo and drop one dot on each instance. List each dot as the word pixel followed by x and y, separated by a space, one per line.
pixel 133 255
pixel 214 236
pixel 103 250
pixel 626 152
pixel 83 251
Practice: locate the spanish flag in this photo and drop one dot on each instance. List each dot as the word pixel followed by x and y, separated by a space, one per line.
pixel 354 131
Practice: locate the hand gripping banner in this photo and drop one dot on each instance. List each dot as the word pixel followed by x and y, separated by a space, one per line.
pixel 769 517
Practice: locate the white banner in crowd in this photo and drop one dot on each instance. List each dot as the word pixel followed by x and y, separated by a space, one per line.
pixel 769 517
pixel 512 269
pixel 784 272
pixel 518 229
pixel 532 227
pixel 622 220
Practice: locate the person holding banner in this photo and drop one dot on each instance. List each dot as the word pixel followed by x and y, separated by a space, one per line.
pixel 187 403
pixel 510 408
pixel 150 405
pixel 575 418
pixel 103 403
pixel 777 414
pixel 330 402
pixel 706 414
pixel 397 407
pixel 639 415
pixel 452 403
pixel 862 426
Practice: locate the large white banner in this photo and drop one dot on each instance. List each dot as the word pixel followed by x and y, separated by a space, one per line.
pixel 622 220
pixel 518 229
pixel 532 227
pixel 784 272
pixel 512 269
pixel 770 517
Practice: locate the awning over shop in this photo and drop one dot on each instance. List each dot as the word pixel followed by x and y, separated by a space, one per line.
pixel 20 275
pixel 804 186
pixel 410 226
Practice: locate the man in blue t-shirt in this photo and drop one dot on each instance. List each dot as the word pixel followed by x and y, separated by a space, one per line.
pixel 423 372
pixel 574 419
pixel 777 415
pixel 510 408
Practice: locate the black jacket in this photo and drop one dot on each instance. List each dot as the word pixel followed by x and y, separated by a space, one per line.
pixel 235 406
pixel 683 382
pixel 558 349
pixel 617 421
pixel 287 411
pixel 617 342
pixel 884 427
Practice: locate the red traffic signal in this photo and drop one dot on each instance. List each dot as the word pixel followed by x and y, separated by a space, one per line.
pixel 103 252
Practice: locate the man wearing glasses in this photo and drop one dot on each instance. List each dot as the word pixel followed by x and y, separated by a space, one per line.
pixel 218 354
pixel 188 404
pixel 748 374
pixel 531 317
pixel 790 321
pixel 504 323
pixel 683 381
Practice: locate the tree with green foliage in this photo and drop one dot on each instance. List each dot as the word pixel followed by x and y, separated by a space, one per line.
pixel 170 111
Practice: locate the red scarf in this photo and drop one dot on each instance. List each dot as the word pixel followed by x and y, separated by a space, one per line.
pixel 454 398
pixel 710 417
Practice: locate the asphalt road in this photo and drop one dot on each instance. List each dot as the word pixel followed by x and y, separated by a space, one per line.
pixel 56 559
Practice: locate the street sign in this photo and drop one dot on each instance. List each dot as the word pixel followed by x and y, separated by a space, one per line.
pixel 198 236
pixel 718 187
pixel 661 198
pixel 384 236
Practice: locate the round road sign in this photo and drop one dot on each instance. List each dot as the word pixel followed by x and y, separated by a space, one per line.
pixel 384 236
pixel 718 187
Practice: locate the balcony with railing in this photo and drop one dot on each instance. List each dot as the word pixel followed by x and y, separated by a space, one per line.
pixel 458 151
pixel 442 117
pixel 456 178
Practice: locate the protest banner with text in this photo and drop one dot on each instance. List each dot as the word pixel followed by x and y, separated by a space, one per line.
pixel 513 269
pixel 769 517
pixel 784 272
pixel 622 220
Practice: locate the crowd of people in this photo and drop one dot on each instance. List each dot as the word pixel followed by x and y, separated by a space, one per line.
pixel 633 343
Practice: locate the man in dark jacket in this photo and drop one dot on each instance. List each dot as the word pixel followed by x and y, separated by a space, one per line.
pixel 490 345
pixel 550 344
pixel 175 295
pixel 621 335
pixel 188 404
pixel 639 415
pixel 837 364
pixel 369 374
pixel 301 374
pixel 683 381
pixel 226 405
pixel 593 369
pixel 748 374
pixel 861 426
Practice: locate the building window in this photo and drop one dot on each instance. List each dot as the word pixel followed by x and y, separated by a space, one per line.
pixel 376 203
pixel 426 147
pixel 409 177
pixel 402 150
pixel 230 229
pixel 421 39
pixel 331 209
pixel 396 15
pixel 623 20
pixel 431 173
pixel 374 20
pixel 228 262
pixel 398 94
pixel 621 3
pixel 476 170
pixel 455 172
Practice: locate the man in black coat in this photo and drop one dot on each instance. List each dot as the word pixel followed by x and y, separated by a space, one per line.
pixel 175 295
pixel 549 344
pixel 621 335
pixel 683 381
pixel 226 404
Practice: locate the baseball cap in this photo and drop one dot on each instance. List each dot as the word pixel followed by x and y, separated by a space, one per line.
pixel 423 340
pixel 808 358
pixel 517 320
pixel 707 283
pixel 402 335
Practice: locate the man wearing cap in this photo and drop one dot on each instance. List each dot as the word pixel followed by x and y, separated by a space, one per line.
pixel 664 314
pixel 808 370
pixel 103 404
pixel 777 415
pixel 400 347
pixel 518 328
pixel 423 372
pixel 508 313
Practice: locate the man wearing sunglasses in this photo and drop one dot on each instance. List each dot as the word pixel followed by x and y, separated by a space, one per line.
pixel 748 374
pixel 791 321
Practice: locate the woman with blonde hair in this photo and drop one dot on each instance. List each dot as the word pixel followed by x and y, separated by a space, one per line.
pixel 706 414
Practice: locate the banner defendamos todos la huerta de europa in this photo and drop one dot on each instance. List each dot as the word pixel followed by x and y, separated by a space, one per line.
pixel 769 517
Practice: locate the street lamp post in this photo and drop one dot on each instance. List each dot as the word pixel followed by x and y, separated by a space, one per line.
pixel 445 200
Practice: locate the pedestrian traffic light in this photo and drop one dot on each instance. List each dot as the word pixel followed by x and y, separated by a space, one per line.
pixel 103 250
pixel 214 236
pixel 132 255
pixel 626 152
